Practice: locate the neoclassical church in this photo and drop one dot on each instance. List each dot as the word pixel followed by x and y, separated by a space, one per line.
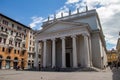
pixel 72 41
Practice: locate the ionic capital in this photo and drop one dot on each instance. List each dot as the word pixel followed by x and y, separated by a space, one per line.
pixel 62 38
pixel 53 39
pixel 73 36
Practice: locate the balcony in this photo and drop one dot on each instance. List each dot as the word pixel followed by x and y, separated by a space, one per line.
pixel 23 48
pixel 3 45
pixel 10 46
pixel 32 52
pixel 18 38
pixel 3 34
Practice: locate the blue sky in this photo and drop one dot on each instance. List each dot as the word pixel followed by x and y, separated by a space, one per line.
pixel 33 12
pixel 23 10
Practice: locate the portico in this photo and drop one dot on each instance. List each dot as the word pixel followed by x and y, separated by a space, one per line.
pixel 73 41
pixel 62 50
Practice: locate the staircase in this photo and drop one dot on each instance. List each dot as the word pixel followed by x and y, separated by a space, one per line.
pixel 80 69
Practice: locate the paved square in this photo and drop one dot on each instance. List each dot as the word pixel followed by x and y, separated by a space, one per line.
pixel 32 75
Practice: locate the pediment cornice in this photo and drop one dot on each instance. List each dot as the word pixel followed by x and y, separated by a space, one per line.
pixel 62 22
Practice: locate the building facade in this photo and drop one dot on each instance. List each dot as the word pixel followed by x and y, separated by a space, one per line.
pixel 72 41
pixel 31 49
pixel 14 38
pixel 112 57
pixel 118 51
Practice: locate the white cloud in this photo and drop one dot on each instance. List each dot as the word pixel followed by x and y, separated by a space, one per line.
pixel 36 21
pixel 108 11
pixel 72 1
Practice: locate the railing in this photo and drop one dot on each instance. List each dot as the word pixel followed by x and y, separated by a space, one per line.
pixel 4 33
pixel 18 38
pixel 10 45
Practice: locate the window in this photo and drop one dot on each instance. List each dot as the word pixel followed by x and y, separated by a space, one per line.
pixel 24 45
pixel 12 25
pixel 20 35
pixel 33 56
pixel 9 50
pixel 6 29
pixel 33 43
pixel 16 34
pixel 11 32
pixel 3 49
pixel 18 51
pixel 33 49
pixel 29 55
pixel 5 22
pixel 16 44
pixel 25 30
pixel 1 28
pixel 19 28
pixel 24 37
pixel 23 52
pixel 30 48
pixel 0 39
pixel 4 41
pixel 15 51
pixel 30 42
pixel 10 42
pixel 33 37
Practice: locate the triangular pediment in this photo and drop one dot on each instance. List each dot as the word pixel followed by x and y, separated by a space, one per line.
pixel 60 25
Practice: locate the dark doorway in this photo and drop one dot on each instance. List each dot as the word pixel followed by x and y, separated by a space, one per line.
pixel 67 59
pixel 22 64
pixel 15 65
pixel 15 62
pixel 7 64
pixel 0 64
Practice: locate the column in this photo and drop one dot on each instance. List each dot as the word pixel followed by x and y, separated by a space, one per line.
pixel 90 49
pixel 3 64
pixel 74 51
pixel 36 55
pixel 44 53
pixel 86 51
pixel 63 53
pixel 11 64
pixel 53 53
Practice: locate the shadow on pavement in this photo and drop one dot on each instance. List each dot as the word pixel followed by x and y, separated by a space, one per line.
pixel 116 74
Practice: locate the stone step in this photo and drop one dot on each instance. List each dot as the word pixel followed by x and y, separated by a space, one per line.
pixel 70 69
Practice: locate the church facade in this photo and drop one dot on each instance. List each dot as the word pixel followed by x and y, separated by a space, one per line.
pixel 71 42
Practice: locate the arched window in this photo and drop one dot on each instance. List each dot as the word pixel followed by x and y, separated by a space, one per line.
pixel 15 58
pixel 1 28
pixel 8 57
pixel 0 57
pixel 11 32
pixel 0 39
pixel 6 29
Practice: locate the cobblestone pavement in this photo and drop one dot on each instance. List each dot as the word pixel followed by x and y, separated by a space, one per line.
pixel 32 75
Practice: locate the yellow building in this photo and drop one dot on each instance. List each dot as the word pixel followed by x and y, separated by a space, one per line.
pixel 14 43
pixel 118 50
pixel 112 56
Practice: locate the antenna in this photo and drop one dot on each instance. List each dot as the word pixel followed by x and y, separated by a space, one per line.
pixel 48 18
pixel 62 14
pixel 69 12
pixel 86 8
pixel 77 10
pixel 54 16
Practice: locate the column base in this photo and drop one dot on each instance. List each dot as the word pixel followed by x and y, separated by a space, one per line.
pixel 63 67
pixel 3 67
pixel 75 66
pixel 11 67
